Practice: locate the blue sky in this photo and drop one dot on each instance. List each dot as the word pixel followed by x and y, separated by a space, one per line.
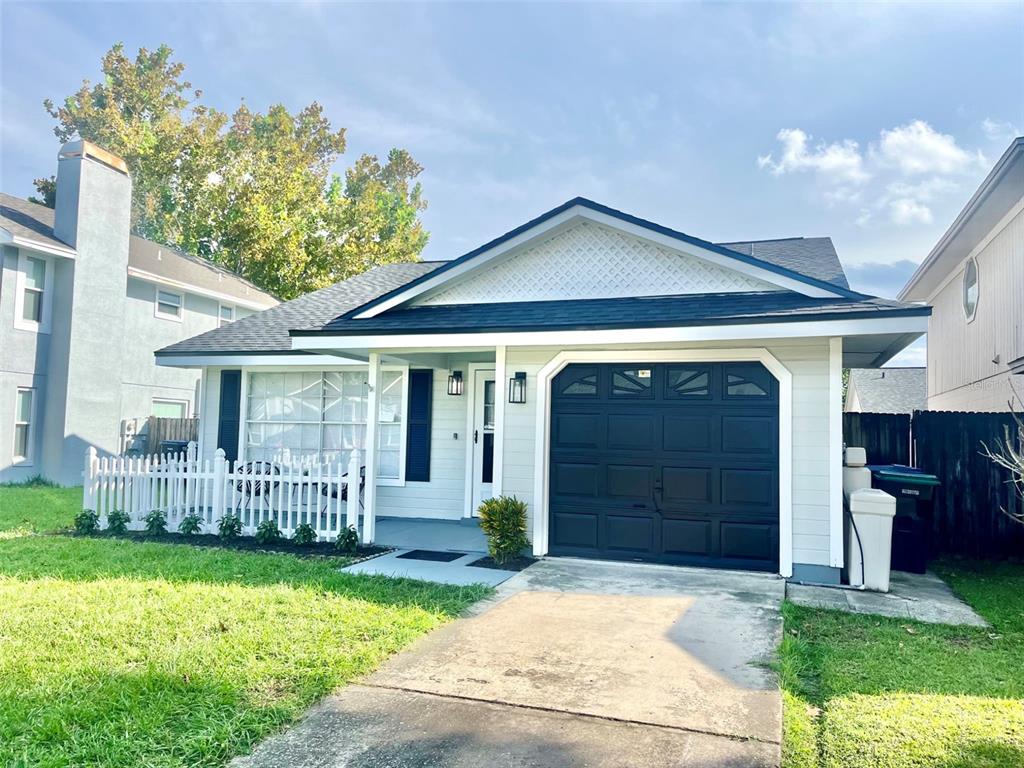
pixel 871 123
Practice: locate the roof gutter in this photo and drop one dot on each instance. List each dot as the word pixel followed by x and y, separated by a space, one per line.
pixel 227 298
pixel 9 238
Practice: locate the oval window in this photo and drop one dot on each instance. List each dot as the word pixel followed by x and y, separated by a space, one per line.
pixel 970 289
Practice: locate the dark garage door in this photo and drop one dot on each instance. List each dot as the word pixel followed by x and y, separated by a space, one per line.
pixel 667 462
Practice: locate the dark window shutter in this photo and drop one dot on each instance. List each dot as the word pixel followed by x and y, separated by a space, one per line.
pixel 230 413
pixel 417 444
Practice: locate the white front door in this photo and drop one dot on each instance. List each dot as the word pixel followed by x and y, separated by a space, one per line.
pixel 483 436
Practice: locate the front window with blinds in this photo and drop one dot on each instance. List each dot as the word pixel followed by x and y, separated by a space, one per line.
pixel 321 416
pixel 168 304
pixel 23 424
pixel 33 293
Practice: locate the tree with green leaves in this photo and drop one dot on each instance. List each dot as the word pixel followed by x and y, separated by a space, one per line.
pixel 253 192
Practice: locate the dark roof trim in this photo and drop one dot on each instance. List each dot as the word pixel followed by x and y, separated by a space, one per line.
pixel 611 325
pixel 629 219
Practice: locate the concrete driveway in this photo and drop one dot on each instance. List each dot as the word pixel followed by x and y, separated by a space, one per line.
pixel 573 663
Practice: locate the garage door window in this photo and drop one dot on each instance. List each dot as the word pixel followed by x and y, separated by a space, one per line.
pixel 688 382
pixel 747 381
pixel 631 382
pixel 578 382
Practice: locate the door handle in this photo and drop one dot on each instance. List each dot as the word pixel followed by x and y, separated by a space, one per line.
pixel 476 436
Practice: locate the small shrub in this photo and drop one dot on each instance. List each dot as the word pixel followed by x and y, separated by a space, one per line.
pixel 117 521
pixel 156 523
pixel 304 535
pixel 191 524
pixel 229 527
pixel 348 541
pixel 503 521
pixel 267 532
pixel 87 522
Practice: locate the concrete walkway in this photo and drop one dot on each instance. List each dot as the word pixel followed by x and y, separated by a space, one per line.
pixel 921 597
pixel 572 663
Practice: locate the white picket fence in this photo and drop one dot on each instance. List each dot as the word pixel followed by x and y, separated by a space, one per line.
pixel 181 484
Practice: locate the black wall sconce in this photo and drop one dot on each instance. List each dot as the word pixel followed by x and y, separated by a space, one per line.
pixel 517 388
pixel 455 383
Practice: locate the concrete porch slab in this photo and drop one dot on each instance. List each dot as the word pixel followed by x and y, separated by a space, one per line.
pixel 421 533
pixel 919 597
pixel 458 572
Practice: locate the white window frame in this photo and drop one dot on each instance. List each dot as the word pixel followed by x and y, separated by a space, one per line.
pixel 243 426
pixel 157 290
pixel 20 323
pixel 220 318
pixel 969 316
pixel 171 401
pixel 24 461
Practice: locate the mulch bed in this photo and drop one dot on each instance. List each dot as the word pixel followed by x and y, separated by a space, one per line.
pixel 320 549
pixel 520 563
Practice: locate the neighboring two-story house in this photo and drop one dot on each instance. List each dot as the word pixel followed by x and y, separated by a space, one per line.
pixel 974 281
pixel 83 306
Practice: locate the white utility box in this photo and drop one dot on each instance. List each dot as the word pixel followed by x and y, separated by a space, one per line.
pixel 855 474
pixel 872 511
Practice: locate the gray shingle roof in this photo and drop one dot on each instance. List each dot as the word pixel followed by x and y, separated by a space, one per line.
pixel 29 220
pixel 35 222
pixel 890 390
pixel 267 331
pixel 631 312
pixel 812 256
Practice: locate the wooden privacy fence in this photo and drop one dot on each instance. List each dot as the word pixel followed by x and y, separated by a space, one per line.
pixel 885 436
pixel 968 517
pixel 181 484
pixel 144 436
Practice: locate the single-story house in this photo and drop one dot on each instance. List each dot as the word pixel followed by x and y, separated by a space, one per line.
pixel 651 395
pixel 887 390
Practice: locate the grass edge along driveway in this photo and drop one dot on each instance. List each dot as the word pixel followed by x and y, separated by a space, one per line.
pixel 870 691
pixel 118 653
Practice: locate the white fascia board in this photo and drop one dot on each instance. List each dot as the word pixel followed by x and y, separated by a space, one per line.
pixel 581 212
pixel 290 361
pixel 227 298
pixel 7 238
pixel 858 327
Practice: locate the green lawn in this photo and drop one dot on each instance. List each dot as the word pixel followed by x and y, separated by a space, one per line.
pixel 869 691
pixel 37 507
pixel 118 653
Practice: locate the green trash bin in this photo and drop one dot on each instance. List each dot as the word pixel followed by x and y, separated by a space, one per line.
pixel 914 491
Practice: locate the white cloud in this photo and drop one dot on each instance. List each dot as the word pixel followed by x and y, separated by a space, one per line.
pixel 1002 131
pixel 886 179
pixel 916 148
pixel 906 210
pixel 839 162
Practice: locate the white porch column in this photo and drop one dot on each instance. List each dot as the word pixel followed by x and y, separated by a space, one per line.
pixel 835 451
pixel 500 400
pixel 370 446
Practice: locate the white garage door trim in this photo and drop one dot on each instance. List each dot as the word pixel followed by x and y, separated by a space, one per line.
pixel 760 355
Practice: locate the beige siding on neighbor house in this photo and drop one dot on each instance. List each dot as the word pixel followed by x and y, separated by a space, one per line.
pixel 961 371
pixel 807 360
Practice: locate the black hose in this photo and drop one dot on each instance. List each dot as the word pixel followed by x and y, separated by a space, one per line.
pixel 860 545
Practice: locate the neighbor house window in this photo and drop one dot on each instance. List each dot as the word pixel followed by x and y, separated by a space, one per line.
pixel 32 305
pixel 227 315
pixel 168 304
pixel 23 424
pixel 292 417
pixel 971 289
pixel 170 409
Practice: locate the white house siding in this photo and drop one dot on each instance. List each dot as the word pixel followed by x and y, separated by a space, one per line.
pixel 444 496
pixel 961 373
pixel 807 360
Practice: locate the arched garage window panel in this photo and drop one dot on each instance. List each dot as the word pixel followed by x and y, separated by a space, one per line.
pixel 577 382
pixel 747 380
pixel 970 289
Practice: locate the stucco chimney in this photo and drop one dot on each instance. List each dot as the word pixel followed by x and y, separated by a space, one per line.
pixel 93 215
